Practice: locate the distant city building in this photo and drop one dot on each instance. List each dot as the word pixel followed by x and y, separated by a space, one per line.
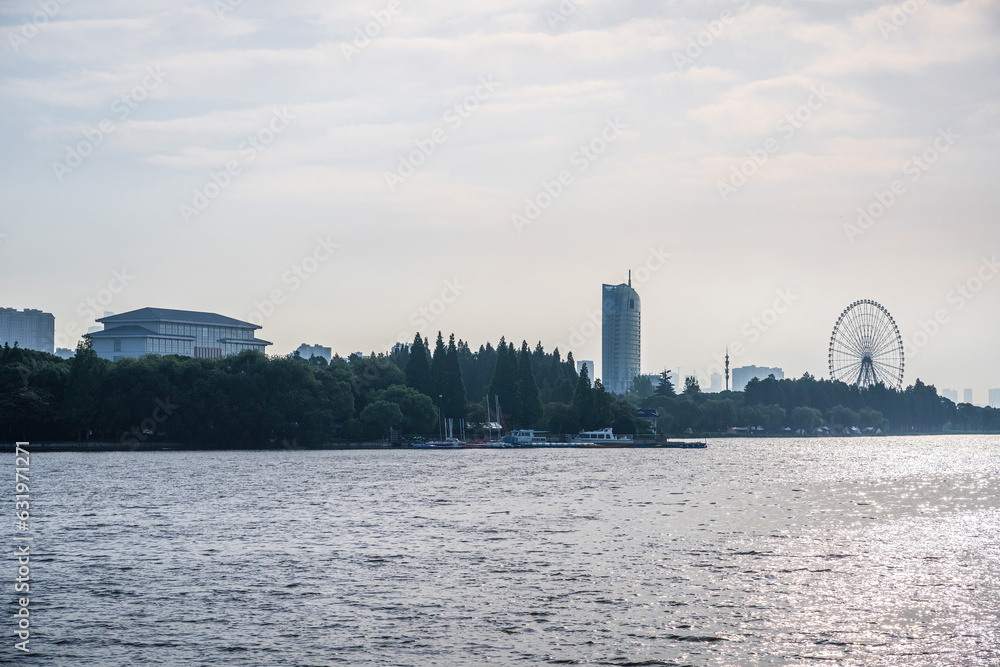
pixel 308 351
pixel 620 329
pixel 654 378
pixel 590 368
pixel 743 375
pixel 950 394
pixel 967 396
pixel 99 327
pixel 166 331
pixel 995 398
pixel 30 329
pixel 65 352
pixel 716 383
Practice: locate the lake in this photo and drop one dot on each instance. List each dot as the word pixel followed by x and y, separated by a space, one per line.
pixel 852 551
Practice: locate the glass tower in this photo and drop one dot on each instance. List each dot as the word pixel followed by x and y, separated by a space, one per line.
pixel 620 322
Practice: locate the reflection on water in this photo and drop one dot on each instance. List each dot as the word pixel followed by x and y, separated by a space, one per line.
pixel 858 551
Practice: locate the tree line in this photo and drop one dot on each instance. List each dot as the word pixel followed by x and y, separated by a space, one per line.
pixel 251 399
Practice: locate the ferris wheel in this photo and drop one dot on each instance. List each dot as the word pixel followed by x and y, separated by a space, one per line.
pixel 866 347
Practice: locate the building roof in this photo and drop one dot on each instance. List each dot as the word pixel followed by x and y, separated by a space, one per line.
pixel 179 316
pixel 132 331
pixel 245 341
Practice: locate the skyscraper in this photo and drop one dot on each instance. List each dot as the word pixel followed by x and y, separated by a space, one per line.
pixel 743 375
pixel 620 325
pixel 995 398
pixel 967 396
pixel 30 329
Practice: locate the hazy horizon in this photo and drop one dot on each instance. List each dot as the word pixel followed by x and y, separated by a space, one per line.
pixel 483 168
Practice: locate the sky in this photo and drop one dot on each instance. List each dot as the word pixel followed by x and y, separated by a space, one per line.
pixel 350 173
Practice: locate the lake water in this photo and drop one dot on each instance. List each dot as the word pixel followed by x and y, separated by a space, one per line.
pixel 848 551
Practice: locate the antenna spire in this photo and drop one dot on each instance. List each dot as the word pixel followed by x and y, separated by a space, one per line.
pixel 630 278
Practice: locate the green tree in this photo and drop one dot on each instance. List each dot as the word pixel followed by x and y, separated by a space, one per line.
pixel 561 418
pixel 840 417
pixel 83 389
pixel 379 417
pixel 642 387
pixel 417 409
pixel 665 387
pixel 453 389
pixel 504 382
pixel 687 415
pixel 691 387
pixel 529 405
pixel 806 418
pixel 718 414
pixel 583 399
pixel 418 368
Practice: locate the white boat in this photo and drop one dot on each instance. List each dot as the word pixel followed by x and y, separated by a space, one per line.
pixel 525 436
pixel 602 438
pixel 446 443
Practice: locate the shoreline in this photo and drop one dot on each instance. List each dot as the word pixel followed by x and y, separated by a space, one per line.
pixel 38 447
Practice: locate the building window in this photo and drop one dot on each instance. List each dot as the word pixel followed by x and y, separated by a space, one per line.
pixel 631 304
pixel 118 344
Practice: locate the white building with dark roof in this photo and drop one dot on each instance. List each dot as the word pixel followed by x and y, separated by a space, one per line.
pixel 165 331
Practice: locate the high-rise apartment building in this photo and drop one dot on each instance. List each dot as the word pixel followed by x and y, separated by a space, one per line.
pixel 743 375
pixel 620 328
pixel 30 329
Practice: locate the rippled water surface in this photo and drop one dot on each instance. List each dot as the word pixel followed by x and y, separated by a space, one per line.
pixel 850 551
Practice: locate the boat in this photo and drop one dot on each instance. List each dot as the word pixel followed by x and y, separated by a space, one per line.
pixel 526 437
pixel 446 443
pixel 605 437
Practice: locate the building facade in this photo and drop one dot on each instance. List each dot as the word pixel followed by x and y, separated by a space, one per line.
pixel 950 394
pixel 308 351
pixel 30 329
pixel 967 396
pixel 995 398
pixel 186 333
pixel 743 375
pixel 590 368
pixel 620 330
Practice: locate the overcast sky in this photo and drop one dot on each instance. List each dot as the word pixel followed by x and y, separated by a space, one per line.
pixel 483 167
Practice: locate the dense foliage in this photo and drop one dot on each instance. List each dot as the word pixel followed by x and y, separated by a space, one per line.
pixel 253 400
